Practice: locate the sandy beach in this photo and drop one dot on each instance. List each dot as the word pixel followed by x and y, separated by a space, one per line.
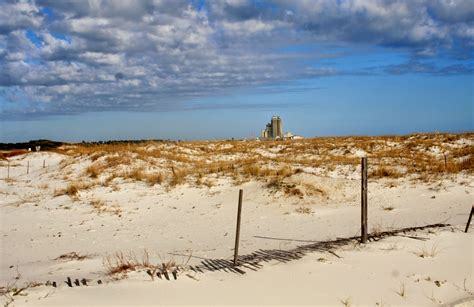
pixel 305 219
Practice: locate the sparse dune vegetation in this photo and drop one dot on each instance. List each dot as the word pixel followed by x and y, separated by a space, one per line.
pixel 179 199
pixel 421 157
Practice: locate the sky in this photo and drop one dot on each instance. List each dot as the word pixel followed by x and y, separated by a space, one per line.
pixel 217 69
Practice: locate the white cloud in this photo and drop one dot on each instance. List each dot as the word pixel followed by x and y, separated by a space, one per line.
pixel 104 54
pixel 19 15
pixel 250 27
pixel 102 58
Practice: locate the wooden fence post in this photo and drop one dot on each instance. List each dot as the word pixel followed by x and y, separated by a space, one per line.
pixel 237 234
pixel 363 238
pixel 8 171
pixel 44 163
pixel 28 167
pixel 469 220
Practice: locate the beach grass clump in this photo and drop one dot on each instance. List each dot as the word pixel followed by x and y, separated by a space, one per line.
pixel 385 172
pixel 428 252
pixel 73 188
pixel 93 171
pixel 178 176
pixel 119 264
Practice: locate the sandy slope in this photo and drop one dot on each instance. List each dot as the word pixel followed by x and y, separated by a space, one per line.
pixel 363 276
pixel 37 227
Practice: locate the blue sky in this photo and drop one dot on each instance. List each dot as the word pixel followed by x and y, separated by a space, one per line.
pixel 97 70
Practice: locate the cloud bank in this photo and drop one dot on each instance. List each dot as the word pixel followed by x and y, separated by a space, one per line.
pixel 62 57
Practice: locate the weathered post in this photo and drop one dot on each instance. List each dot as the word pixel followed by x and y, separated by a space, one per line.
pixel 363 238
pixel 469 220
pixel 28 167
pixel 237 234
pixel 44 163
pixel 8 170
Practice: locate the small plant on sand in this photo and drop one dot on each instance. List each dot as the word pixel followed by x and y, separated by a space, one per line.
pixel 119 264
pixel 43 186
pixel 73 188
pixel 401 290
pixel 276 184
pixel 428 252
pixel 101 207
pixel 464 288
pixel 346 302
pixel 11 290
pixel 434 299
pixel 304 210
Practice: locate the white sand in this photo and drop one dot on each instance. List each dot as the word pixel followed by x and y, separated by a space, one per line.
pixel 37 227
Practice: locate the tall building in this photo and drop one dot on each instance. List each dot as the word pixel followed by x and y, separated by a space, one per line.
pixel 269 130
pixel 274 127
pixel 273 130
pixel 277 127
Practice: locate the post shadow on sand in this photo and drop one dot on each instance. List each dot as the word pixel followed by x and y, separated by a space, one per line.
pixel 255 260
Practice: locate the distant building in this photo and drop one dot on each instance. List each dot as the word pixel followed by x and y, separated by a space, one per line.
pixel 291 136
pixel 274 131
pixel 277 127
pixel 267 133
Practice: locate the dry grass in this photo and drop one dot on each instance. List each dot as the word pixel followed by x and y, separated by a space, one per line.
pixel 303 209
pixel 93 171
pixel 43 186
pixel 73 189
pixel 288 189
pixel 101 207
pixel 346 302
pixel 178 176
pixel 136 174
pixel 139 174
pixel 388 208
pixel 385 172
pixel 11 290
pixel 428 252
pixel 119 264
pixel 422 157
pixel 292 189
pixel 401 290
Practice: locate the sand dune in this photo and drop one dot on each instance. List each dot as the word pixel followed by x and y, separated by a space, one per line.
pixel 176 203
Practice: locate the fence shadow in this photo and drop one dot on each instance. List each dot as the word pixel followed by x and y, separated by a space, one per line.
pixel 255 260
